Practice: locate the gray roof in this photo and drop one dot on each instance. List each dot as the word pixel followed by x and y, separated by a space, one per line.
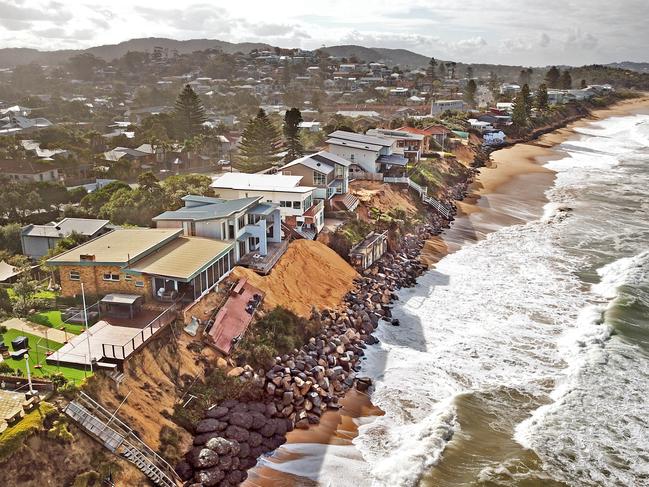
pixel 116 298
pixel 393 159
pixel 264 209
pixel 312 163
pixel 328 157
pixel 360 138
pixel 208 211
pixel 83 226
pixel 355 145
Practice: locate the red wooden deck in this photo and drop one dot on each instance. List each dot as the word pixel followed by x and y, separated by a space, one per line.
pixel 232 320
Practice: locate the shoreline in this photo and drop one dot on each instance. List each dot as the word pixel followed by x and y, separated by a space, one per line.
pixel 514 175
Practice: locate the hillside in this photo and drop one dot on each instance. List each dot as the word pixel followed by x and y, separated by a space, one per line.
pixel 14 56
pixel 391 57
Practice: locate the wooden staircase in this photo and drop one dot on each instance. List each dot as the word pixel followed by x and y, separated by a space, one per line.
pixel 440 207
pixel 120 439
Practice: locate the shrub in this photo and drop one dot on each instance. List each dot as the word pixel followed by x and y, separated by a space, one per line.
pixel 5 368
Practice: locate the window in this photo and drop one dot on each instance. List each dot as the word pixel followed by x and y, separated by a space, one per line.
pixel 139 283
pixel 128 278
pixel 241 221
pixel 109 276
pixel 319 179
pixel 286 204
pixel 253 219
pixel 297 205
pixel 75 276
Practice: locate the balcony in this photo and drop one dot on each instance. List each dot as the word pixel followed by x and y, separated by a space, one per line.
pixel 315 209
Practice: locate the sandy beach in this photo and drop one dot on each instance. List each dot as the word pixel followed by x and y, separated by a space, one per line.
pixel 509 191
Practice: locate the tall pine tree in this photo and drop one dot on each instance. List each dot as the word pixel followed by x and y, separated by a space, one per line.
pixel 519 113
pixel 294 148
pixel 542 97
pixel 470 92
pixel 259 144
pixel 566 80
pixel 552 77
pixel 527 99
pixel 189 113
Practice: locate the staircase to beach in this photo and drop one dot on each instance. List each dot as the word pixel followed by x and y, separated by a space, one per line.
pixel 440 207
pixel 120 439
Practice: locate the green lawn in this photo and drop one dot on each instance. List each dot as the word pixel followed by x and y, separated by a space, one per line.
pixel 52 319
pixel 39 347
pixel 12 439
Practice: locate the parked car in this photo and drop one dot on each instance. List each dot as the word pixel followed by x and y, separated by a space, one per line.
pixel 223 162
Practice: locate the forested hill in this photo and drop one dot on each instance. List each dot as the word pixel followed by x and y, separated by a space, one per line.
pixel 14 56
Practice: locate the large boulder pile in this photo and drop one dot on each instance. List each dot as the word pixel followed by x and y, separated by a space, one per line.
pixel 302 385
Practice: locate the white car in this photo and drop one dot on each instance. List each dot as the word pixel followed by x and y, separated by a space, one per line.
pixel 223 162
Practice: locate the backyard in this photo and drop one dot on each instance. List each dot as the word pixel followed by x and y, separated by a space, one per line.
pixel 39 348
pixel 52 319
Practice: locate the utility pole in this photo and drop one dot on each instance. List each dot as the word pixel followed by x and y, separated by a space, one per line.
pixel 85 319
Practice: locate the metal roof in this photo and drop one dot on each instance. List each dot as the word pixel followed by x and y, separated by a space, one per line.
pixel 393 159
pixel 210 211
pixel 182 259
pixel 311 163
pixel 361 138
pixel 354 145
pixel 120 246
pixel 260 182
pixel 116 298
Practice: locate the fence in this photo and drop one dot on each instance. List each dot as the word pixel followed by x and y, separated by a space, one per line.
pixel 121 352
pixel 366 176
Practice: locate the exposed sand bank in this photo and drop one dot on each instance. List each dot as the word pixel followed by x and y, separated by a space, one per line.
pixel 308 274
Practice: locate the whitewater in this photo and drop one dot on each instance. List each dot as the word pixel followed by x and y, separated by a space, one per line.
pixel 522 358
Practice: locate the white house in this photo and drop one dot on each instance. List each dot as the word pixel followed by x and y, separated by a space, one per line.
pixel 299 208
pixel 367 153
pixel 440 106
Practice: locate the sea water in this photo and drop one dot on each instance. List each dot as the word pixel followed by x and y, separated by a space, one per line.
pixel 522 359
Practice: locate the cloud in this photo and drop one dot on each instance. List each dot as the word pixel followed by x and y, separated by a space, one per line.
pixel 545 40
pixel 582 41
pixel 60 33
pixel 198 18
pixel 15 24
pixel 272 29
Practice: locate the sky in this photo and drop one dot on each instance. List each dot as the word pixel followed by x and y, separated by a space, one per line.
pixel 521 32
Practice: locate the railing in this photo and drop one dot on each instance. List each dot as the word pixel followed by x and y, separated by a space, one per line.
pixel 444 210
pixel 119 438
pixel 367 176
pixel 121 352
pixel 315 209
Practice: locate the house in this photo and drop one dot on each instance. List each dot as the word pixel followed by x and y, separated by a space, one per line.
pixel 300 210
pixel 25 170
pixel 251 224
pixel 509 89
pixel 48 154
pixel 13 123
pixel 311 126
pixel 480 126
pixel 161 265
pixel 37 240
pixel 434 135
pixel 411 145
pixel 441 106
pixel 367 153
pixel 119 153
pixel 329 174
pixel 369 250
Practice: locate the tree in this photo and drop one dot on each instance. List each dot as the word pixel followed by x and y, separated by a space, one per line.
pixel 552 77
pixel 83 65
pixel 10 238
pixel 175 187
pixel 542 97
pixel 442 70
pixel 189 113
pixel 259 143
pixel 28 77
pixel 527 99
pixel 566 80
pixel 525 76
pixel 519 113
pixel 432 69
pixel 24 289
pixel 469 71
pixel 470 91
pixel 583 85
pixel 292 121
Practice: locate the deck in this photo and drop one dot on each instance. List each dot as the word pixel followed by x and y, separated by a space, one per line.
pixel 233 318
pixel 263 264
pixel 112 338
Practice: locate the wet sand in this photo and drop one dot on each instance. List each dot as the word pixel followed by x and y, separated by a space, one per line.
pixel 509 191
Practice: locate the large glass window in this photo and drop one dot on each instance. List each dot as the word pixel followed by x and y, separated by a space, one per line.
pixel 319 179
pixel 109 276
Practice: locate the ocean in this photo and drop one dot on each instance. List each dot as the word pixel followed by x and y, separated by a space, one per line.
pixel 522 358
